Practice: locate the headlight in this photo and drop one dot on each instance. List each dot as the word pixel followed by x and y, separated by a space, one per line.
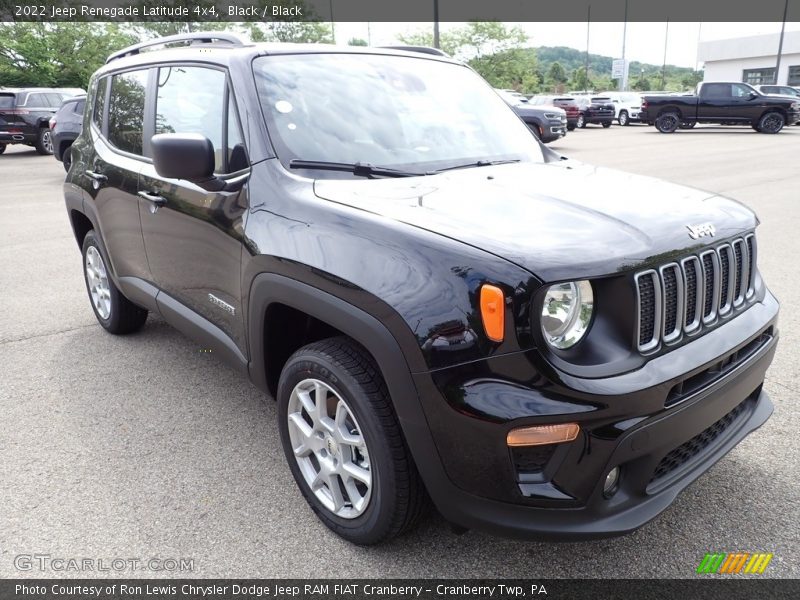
pixel 566 313
pixel 553 116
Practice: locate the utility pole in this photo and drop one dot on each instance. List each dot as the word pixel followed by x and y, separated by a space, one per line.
pixel 333 25
pixel 780 43
pixel 664 66
pixel 435 23
pixel 623 81
pixel 369 33
pixel 586 66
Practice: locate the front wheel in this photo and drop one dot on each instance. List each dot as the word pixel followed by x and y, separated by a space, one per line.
pixel 581 121
pixel 44 141
pixel 771 123
pixel 2 148
pixel 623 118
pixel 668 122
pixel 606 124
pixel 344 444
pixel 114 311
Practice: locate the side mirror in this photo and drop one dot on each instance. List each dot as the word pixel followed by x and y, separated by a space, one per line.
pixel 752 96
pixel 187 156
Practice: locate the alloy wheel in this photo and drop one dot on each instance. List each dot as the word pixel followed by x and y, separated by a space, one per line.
pixel 97 277
pixel 329 448
pixel 47 141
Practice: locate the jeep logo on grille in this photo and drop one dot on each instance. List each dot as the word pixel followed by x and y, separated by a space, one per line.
pixel 702 230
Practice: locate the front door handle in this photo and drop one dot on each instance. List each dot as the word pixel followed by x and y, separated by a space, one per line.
pixel 99 177
pixel 154 198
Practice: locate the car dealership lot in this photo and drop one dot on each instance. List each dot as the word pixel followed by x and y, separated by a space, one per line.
pixel 145 446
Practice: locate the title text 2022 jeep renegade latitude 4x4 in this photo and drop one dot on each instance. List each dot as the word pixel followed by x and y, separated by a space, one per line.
pixel 441 306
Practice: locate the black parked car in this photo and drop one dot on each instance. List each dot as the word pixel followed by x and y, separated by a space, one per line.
pixel 723 103
pixel 25 113
pixel 547 123
pixel 595 109
pixel 65 126
pixel 441 306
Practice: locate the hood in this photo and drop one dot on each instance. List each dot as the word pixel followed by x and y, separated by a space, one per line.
pixel 558 220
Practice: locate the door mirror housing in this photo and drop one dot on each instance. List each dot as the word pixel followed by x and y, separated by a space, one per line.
pixel 752 95
pixel 187 156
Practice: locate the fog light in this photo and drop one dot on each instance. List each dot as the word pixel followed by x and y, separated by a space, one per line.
pixel 610 486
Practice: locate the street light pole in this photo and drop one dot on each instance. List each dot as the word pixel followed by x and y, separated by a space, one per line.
pixel 586 66
pixel 623 80
pixel 435 23
pixel 664 66
pixel 333 25
pixel 780 43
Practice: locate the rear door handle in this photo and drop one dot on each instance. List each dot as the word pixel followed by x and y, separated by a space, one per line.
pixel 96 176
pixel 154 198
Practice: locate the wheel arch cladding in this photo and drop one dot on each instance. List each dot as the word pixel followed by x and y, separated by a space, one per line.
pixel 272 289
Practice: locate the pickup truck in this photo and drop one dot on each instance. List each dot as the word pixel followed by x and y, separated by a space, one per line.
pixel 725 103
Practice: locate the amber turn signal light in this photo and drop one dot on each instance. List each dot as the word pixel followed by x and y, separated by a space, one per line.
pixel 493 312
pixel 543 434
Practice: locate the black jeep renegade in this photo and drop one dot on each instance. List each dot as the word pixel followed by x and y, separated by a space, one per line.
pixel 441 307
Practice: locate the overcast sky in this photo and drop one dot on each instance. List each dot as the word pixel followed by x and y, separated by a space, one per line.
pixel 645 41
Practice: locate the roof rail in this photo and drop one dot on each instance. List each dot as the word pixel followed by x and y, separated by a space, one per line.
pixel 205 37
pixel 422 49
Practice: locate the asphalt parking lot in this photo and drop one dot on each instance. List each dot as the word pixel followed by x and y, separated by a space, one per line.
pixel 142 446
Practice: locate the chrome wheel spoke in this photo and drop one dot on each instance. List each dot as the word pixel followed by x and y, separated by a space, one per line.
pixel 97 282
pixel 329 449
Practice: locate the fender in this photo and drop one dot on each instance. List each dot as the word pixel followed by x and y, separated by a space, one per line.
pixel 268 288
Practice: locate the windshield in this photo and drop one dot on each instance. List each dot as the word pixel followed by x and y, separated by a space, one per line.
pixel 413 114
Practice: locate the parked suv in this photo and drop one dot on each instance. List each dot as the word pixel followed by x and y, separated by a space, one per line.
pixel 594 109
pixel 627 106
pixel 441 306
pixel 65 126
pixel 25 113
pixel 565 103
pixel 547 123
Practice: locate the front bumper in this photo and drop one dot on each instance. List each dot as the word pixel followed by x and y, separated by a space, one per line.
pixel 623 422
pixel 554 130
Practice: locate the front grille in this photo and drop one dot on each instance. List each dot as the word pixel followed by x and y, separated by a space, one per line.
pixel 688 450
pixel 679 297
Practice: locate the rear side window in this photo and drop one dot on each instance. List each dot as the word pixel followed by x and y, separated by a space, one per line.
pixel 7 100
pixel 54 100
pixel 78 106
pixel 98 114
pixel 37 101
pixel 126 111
pixel 192 100
pixel 716 90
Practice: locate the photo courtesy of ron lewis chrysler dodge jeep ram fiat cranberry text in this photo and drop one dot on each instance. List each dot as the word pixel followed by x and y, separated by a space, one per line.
pixel 443 309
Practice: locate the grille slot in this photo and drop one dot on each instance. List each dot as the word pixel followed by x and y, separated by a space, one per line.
pixel 688 450
pixel 681 297
pixel 648 298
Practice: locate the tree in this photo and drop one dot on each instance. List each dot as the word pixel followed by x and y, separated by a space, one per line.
pixel 297 32
pixel 580 79
pixel 642 84
pixel 447 42
pixel 509 69
pixel 357 42
pixel 57 54
pixel 557 74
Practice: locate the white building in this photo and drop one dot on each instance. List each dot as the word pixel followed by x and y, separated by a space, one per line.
pixel 752 59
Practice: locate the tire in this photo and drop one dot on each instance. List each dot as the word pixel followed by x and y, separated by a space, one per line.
pixel 536 130
pixel 623 118
pixel 44 141
pixel 581 122
pixel 771 122
pixel 391 497
pixel 66 158
pixel 668 122
pixel 2 148
pixel 114 312
pixel 606 124
pixel 687 125
pixel 572 127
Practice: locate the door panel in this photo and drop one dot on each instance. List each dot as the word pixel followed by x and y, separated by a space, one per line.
pixel 193 237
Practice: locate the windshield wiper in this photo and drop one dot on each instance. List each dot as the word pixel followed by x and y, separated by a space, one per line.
pixel 359 169
pixel 479 163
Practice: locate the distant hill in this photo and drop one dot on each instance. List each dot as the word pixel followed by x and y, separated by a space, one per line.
pixel 600 67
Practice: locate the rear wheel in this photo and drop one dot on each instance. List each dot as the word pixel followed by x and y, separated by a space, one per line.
pixel 114 311
pixel 771 122
pixel 344 444
pixel 623 118
pixel 668 122
pixel 581 121
pixel 536 130
pixel 606 124
pixel 2 148
pixel 66 158
pixel 44 141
